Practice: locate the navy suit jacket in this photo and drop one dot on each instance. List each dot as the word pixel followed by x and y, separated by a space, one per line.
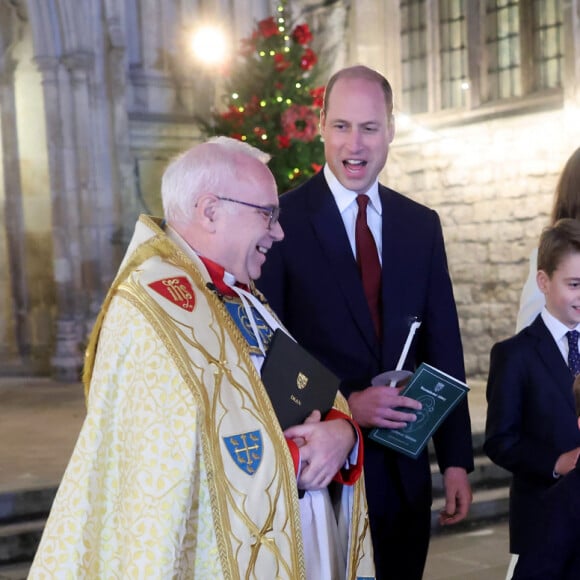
pixel 531 421
pixel 554 553
pixel 312 282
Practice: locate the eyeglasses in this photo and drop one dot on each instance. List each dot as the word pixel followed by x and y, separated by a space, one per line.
pixel 271 212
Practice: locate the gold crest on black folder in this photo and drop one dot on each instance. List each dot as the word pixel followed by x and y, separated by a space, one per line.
pixel 301 381
pixel 287 371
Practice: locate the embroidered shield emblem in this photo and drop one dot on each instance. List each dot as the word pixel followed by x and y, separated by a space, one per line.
pixel 177 290
pixel 246 449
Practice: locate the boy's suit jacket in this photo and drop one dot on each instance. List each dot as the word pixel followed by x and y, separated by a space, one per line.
pixel 312 281
pixel 531 421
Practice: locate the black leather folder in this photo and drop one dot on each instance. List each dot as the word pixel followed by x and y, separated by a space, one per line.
pixel 297 382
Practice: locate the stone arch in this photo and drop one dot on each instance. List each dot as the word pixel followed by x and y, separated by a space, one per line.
pixel 116 94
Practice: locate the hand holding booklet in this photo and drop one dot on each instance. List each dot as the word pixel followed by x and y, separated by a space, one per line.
pixel 439 393
pixel 297 383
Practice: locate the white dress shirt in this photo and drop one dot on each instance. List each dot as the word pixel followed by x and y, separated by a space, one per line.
pixel 346 201
pixel 558 330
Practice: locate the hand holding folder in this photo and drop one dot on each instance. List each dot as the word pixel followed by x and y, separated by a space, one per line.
pixel 297 382
pixel 439 393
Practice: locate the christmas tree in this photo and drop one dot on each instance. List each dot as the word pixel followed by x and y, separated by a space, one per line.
pixel 271 102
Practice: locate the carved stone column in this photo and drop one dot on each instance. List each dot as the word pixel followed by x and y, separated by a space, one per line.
pixel 13 210
pixel 68 358
pixel 125 205
pixel 85 122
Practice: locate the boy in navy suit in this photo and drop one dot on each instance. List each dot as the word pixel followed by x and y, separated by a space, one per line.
pixel 531 427
pixel 554 553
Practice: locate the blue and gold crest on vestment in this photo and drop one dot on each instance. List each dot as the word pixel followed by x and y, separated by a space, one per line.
pixel 246 449
pixel 240 317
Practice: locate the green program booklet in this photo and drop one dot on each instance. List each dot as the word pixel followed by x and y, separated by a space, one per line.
pixel 439 393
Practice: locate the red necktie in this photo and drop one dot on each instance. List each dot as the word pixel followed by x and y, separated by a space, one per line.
pixel 367 259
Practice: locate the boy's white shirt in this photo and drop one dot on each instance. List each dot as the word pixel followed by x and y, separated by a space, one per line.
pixel 558 331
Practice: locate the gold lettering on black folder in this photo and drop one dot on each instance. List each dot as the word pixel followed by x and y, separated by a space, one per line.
pixel 287 371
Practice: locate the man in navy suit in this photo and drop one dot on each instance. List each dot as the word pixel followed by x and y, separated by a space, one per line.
pixel 531 427
pixel 312 281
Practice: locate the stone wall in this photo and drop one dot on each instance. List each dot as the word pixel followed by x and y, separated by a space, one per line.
pixel 492 184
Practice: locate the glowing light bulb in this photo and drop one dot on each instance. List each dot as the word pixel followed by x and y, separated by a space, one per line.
pixel 210 45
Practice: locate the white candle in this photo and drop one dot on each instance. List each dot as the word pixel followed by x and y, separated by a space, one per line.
pixel 414 326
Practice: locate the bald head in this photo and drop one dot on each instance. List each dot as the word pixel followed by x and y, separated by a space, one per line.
pixel 360 72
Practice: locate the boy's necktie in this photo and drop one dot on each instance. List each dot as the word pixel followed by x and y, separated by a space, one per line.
pixel 573 354
pixel 368 262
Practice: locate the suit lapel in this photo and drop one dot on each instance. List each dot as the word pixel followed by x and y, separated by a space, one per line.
pixel 329 230
pixel 552 357
pixel 397 274
pixel 390 261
